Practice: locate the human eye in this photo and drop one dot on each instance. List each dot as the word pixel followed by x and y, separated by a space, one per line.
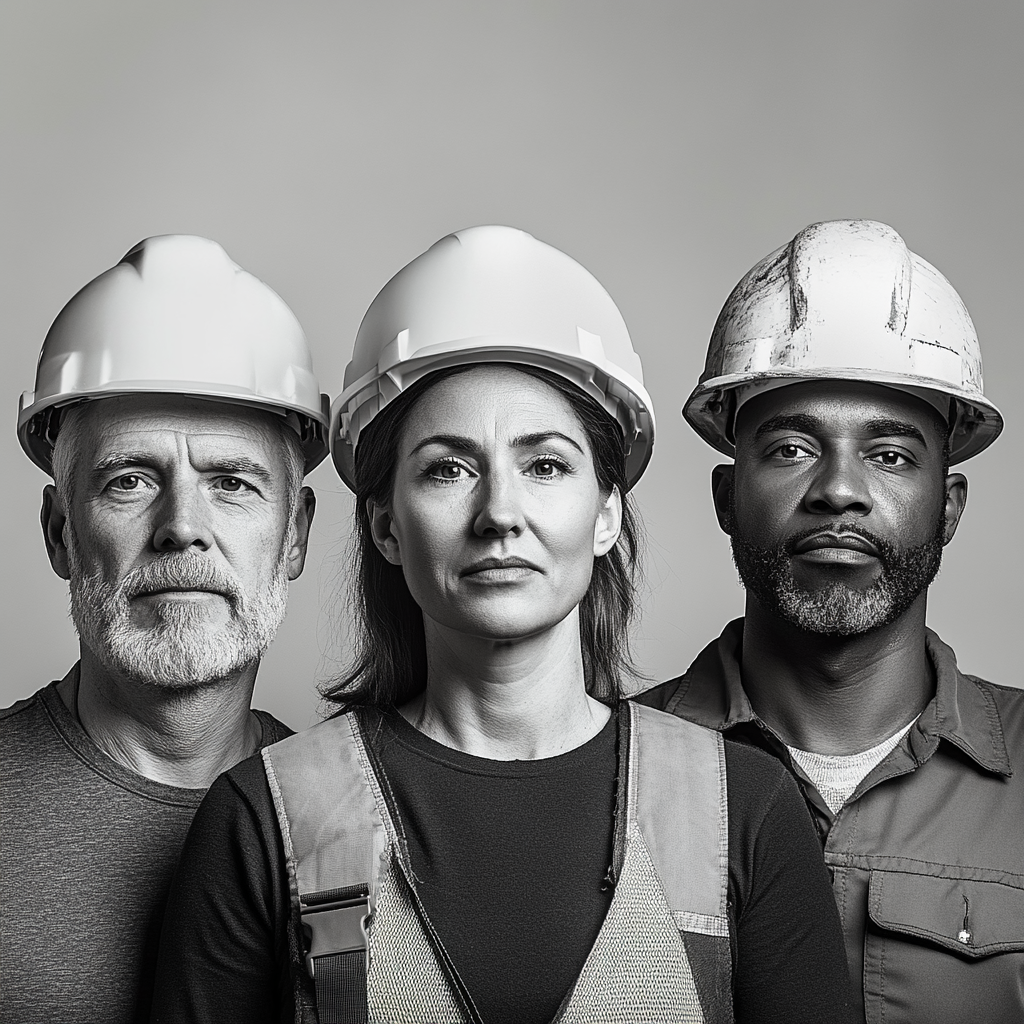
pixel 891 458
pixel 232 484
pixel 791 451
pixel 447 471
pixel 128 483
pixel 548 467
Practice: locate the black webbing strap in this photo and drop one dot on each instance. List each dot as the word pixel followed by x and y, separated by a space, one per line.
pixel 334 924
pixel 340 981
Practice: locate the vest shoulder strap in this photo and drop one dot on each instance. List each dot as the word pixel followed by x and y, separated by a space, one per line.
pixel 331 816
pixel 678 800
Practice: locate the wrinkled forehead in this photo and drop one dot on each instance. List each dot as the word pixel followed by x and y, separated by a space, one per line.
pixel 157 419
pixel 840 406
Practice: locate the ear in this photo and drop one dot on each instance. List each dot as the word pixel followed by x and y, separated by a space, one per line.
pixel 54 520
pixel 956 501
pixel 303 520
pixel 382 531
pixel 609 524
pixel 721 495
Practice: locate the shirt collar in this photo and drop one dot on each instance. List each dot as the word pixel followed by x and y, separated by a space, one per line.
pixel 962 712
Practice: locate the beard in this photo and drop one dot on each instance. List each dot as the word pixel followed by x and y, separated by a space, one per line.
pixel 182 650
pixel 839 609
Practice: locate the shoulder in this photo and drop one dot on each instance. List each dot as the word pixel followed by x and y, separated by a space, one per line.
pixel 759 785
pixel 659 696
pixel 1011 696
pixel 244 784
pixel 30 735
pixel 23 711
pixel 322 743
pixel 274 730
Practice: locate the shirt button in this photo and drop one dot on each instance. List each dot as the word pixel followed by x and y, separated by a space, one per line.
pixel 964 936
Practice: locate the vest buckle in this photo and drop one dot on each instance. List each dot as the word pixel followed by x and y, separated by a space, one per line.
pixel 335 927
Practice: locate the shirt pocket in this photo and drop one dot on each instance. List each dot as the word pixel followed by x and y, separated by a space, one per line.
pixel 943 950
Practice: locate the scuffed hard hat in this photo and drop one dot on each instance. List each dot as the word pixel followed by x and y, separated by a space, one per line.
pixel 846 300
pixel 493 294
pixel 175 316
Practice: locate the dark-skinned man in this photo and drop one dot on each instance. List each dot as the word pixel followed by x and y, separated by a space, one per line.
pixel 176 409
pixel 844 376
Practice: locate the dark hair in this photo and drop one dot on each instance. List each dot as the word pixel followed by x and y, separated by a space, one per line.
pixel 389 666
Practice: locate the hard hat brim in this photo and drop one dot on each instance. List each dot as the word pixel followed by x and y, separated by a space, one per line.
pixel 39 449
pixel 708 410
pixel 369 390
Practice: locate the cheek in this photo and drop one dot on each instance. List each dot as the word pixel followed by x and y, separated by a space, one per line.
pixel 761 509
pixel 429 535
pixel 915 513
pixel 109 548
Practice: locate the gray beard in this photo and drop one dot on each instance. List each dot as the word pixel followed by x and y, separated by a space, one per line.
pixel 183 650
pixel 839 610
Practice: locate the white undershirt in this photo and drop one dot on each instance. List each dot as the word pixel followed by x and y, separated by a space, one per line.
pixel 836 776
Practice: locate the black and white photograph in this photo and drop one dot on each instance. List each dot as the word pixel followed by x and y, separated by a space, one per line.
pixel 487 512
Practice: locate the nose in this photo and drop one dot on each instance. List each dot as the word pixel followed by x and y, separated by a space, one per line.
pixel 500 512
pixel 182 519
pixel 839 485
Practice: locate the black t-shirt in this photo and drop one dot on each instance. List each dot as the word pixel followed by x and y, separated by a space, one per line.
pixel 510 859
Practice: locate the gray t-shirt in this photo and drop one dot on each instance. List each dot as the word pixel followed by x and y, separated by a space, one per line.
pixel 87 850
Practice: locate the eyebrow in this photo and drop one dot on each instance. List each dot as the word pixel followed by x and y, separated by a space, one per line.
pixel 895 428
pixel 811 424
pixel 230 465
pixel 788 421
pixel 470 447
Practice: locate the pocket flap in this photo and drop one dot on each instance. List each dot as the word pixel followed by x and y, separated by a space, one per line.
pixel 967 916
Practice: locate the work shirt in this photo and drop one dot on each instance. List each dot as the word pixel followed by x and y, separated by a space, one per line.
pixel 926 856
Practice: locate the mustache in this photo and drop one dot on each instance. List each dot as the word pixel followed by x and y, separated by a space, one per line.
pixel 180 571
pixel 882 546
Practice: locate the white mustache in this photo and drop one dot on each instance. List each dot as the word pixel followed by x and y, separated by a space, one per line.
pixel 183 571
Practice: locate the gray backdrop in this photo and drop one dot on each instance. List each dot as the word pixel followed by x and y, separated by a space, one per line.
pixel 667 146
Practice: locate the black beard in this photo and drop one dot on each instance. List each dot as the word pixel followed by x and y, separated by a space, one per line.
pixel 839 610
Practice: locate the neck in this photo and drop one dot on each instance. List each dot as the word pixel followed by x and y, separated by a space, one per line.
pixel 183 738
pixel 836 695
pixel 507 699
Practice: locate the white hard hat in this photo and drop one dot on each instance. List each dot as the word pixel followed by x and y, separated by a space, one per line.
pixel 175 316
pixel 493 294
pixel 846 300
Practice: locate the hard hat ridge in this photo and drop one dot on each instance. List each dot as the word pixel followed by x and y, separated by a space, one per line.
pixel 175 316
pixel 846 300
pixel 493 294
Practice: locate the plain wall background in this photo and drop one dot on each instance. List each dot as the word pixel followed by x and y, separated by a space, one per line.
pixel 665 145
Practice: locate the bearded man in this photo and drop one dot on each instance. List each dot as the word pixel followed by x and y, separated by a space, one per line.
pixel 176 408
pixel 844 375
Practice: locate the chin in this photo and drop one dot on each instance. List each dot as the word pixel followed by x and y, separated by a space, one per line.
pixel 508 625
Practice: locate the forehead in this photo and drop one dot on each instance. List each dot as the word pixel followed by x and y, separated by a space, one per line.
pixel 492 401
pixel 157 421
pixel 840 408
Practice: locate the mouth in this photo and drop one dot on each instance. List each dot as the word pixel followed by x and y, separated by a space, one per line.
pixel 850 548
pixel 176 593
pixel 500 570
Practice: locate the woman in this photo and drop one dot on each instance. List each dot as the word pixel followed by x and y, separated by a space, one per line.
pixel 485 831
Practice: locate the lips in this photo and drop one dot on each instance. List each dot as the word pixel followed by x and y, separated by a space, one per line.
pixel 847 541
pixel 158 591
pixel 497 567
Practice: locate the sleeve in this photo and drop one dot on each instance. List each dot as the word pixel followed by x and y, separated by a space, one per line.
pixel 224 950
pixel 790 962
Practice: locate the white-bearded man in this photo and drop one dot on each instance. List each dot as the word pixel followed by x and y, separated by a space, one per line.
pixel 177 411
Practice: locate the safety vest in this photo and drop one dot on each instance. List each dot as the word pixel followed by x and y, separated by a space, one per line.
pixel 662 953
